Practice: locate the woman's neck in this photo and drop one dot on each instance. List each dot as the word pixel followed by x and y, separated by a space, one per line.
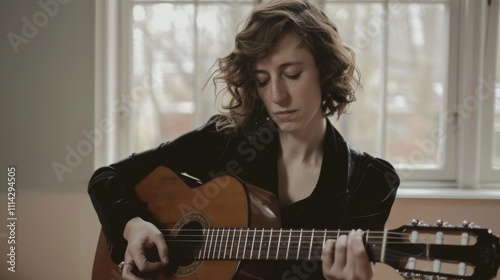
pixel 304 146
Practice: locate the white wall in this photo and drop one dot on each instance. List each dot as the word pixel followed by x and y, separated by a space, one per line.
pixel 47 90
pixel 46 101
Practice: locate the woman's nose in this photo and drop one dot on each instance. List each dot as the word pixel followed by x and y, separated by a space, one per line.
pixel 278 92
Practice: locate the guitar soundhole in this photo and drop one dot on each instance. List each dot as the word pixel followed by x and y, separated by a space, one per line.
pixel 186 245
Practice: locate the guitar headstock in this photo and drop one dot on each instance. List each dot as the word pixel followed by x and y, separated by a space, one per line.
pixel 442 251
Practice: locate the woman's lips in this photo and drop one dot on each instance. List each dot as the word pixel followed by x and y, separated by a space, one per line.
pixel 286 115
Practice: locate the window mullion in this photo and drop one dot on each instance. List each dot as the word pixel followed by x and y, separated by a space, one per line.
pixel 106 81
pixel 467 109
pixel 196 96
pixel 382 124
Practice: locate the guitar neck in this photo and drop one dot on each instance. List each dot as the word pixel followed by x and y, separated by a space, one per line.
pixel 264 244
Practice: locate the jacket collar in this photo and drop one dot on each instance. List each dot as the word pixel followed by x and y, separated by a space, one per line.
pixel 335 166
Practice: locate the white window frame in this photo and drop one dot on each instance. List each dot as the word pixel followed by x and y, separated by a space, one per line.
pixel 472 176
pixel 484 87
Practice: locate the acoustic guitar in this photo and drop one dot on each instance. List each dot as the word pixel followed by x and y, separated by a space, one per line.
pixel 226 229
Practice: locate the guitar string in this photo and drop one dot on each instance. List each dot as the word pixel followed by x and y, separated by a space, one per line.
pixel 449 231
pixel 267 233
pixel 287 231
pixel 373 236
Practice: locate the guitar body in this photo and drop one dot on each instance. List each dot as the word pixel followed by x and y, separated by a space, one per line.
pixel 224 202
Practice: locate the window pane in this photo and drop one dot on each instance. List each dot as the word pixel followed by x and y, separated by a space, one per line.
pixel 174 46
pixel 417 84
pixel 163 38
pixel 361 26
pixel 217 26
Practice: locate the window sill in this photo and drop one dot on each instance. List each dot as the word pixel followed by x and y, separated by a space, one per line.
pixel 421 190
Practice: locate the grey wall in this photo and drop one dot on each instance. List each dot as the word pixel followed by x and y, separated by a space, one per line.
pixel 47 92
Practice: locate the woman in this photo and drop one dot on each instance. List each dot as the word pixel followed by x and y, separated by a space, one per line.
pixel 288 72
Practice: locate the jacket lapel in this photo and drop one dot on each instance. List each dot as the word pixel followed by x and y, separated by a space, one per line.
pixel 329 197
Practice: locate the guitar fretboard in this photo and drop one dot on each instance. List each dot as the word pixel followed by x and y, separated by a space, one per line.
pixel 254 243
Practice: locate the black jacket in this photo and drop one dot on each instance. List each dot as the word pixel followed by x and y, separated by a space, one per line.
pixel 354 190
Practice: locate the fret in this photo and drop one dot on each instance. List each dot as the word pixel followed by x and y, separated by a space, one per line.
pixel 207 245
pixel 216 243
pixel 239 242
pixel 232 243
pixel 211 249
pixel 384 240
pixel 324 241
pixel 270 242
pixel 279 242
pixel 213 244
pixel 253 242
pixel 225 245
pixel 211 236
pixel 300 242
pixel 310 245
pixel 289 241
pixel 204 246
pixel 261 241
pixel 245 245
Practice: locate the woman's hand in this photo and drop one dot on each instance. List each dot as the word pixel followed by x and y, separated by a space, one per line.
pixel 146 250
pixel 346 258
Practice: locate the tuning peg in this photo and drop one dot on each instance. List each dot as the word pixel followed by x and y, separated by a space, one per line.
pixel 416 222
pixel 439 223
pixel 467 224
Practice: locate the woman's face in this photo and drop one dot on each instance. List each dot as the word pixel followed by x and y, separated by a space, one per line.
pixel 289 85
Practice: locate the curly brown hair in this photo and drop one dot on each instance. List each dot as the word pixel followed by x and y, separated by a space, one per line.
pixel 266 25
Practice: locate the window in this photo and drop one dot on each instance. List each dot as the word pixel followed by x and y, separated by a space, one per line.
pixel 430 102
pixel 403 54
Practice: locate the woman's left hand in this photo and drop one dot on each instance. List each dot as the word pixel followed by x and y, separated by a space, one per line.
pixel 346 258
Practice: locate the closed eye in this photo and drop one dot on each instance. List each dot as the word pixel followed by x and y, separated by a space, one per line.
pixel 262 83
pixel 293 77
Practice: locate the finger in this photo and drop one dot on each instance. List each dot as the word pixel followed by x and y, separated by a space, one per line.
pixel 340 254
pixel 137 255
pixel 127 273
pixel 142 260
pixel 357 250
pixel 358 262
pixel 327 255
pixel 162 248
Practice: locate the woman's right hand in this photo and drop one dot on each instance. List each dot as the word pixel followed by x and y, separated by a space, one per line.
pixel 146 250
